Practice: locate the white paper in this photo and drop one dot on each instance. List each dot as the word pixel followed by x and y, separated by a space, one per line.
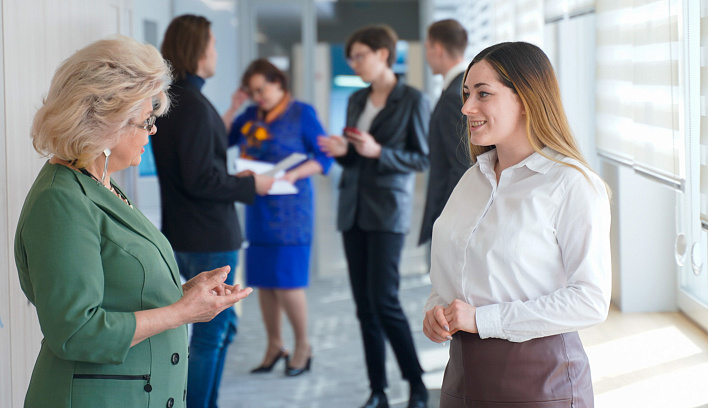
pixel 258 167
pixel 286 163
pixel 232 153
pixel 280 187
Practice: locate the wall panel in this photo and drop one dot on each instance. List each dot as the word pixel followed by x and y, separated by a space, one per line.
pixel 36 36
pixel 5 367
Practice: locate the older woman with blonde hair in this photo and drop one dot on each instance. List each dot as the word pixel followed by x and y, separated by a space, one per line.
pixel 102 277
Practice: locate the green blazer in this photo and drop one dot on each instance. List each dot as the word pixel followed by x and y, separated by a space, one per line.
pixel 87 261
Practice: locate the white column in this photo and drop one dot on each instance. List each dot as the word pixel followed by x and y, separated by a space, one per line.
pixel 247 47
pixel 309 41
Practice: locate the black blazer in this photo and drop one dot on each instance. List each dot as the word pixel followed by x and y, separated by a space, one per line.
pixel 449 158
pixel 198 211
pixel 377 194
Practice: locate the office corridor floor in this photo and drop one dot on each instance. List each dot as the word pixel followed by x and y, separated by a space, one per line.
pixel 637 360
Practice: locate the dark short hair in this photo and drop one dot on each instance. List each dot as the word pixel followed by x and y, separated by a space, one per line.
pixel 375 37
pixel 270 72
pixel 451 35
pixel 185 42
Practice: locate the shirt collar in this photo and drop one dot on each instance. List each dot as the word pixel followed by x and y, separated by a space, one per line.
pixel 539 163
pixel 453 73
pixel 535 162
pixel 195 80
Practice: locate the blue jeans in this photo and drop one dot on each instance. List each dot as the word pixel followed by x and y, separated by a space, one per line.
pixel 207 347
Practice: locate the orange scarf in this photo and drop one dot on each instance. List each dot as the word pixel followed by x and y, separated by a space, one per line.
pixel 256 131
pixel 276 111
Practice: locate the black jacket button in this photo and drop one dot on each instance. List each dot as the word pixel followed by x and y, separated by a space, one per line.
pixel 175 358
pixel 170 403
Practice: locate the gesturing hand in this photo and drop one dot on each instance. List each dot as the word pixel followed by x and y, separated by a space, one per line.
pixel 333 146
pixel 206 295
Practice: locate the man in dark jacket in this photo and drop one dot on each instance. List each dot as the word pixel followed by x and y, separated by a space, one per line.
pixel 198 213
pixel 445 50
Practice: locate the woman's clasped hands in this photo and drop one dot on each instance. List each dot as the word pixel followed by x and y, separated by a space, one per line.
pixel 440 323
pixel 206 295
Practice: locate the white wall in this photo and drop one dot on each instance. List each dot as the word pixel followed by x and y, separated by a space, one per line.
pixel 643 210
pixel 147 192
pixel 643 233
pixel 224 25
pixel 576 75
pixel 36 36
pixel 156 11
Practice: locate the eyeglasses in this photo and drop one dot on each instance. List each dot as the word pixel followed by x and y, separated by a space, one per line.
pixel 148 124
pixel 358 58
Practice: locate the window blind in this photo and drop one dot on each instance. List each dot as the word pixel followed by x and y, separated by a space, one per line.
pixel 704 111
pixel 529 21
pixel 488 22
pixel 519 20
pixel 638 96
pixel 557 9
pixel 477 18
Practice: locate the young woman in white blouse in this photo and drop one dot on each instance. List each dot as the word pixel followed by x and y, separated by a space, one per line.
pixel 520 254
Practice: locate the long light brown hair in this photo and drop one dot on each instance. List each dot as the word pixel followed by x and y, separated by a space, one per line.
pixel 526 70
pixel 185 42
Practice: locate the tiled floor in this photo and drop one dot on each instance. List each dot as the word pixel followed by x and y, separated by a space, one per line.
pixel 338 376
pixel 648 360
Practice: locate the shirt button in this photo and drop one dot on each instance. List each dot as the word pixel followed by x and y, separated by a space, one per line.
pixel 175 358
pixel 170 403
pixel 184 395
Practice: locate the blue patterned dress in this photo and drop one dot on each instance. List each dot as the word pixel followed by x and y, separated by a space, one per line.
pixel 279 227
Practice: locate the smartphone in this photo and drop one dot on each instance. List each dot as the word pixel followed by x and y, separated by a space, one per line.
pixel 352 129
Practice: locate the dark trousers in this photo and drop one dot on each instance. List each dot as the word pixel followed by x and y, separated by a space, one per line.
pixel 373 259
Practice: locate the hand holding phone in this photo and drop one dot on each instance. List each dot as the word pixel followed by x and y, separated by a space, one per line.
pixel 351 129
pixel 363 142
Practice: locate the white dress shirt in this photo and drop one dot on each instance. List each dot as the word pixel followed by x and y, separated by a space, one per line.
pixel 367 116
pixel 453 73
pixel 531 253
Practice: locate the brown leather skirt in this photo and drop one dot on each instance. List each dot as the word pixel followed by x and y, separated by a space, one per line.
pixel 549 372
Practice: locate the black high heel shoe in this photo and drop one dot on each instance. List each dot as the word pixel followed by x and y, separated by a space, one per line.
pixel 268 368
pixel 292 372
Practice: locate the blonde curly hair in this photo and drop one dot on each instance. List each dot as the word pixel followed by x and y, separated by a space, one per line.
pixel 93 96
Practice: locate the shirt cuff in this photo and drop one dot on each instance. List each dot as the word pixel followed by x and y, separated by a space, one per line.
pixel 489 322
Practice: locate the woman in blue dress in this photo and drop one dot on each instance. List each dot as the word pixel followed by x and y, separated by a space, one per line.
pixel 279 227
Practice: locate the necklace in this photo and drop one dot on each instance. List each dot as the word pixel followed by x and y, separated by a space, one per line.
pixel 112 188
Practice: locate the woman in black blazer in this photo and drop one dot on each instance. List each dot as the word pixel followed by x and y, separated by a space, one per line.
pixel 384 143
